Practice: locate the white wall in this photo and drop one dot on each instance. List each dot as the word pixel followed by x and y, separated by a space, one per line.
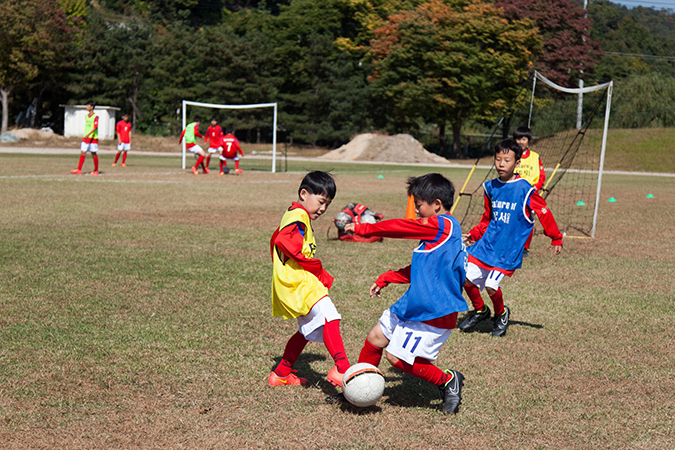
pixel 73 122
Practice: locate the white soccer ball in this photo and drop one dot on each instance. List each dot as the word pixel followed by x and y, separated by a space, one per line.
pixel 363 385
pixel 368 217
pixel 342 219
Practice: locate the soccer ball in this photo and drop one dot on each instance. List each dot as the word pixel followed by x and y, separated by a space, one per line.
pixel 342 219
pixel 226 170
pixel 368 217
pixel 363 385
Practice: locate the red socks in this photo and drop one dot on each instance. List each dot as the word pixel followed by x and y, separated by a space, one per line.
pixel 236 164
pixel 208 160
pixel 370 354
pixel 425 370
pixel 474 295
pixel 498 302
pixel 333 341
pixel 199 161
pixel 221 165
pixel 293 349
pixel 96 163
pixel 79 167
pixel 124 158
pixel 117 156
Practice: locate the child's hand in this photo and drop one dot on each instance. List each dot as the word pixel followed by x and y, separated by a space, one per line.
pixel 557 249
pixel 375 290
pixel 349 228
pixel 467 238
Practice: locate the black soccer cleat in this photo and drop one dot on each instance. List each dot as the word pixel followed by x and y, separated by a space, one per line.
pixel 501 323
pixel 472 319
pixel 451 393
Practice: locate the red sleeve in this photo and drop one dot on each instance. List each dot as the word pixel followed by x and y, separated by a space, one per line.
pixel 478 231
pixel 542 177
pixel 538 205
pixel 289 241
pixel 197 132
pixel 236 146
pixel 400 276
pixel 424 228
pixel 117 128
pixel 96 122
pixel 180 139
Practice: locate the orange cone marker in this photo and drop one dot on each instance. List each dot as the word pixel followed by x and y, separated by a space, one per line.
pixel 410 210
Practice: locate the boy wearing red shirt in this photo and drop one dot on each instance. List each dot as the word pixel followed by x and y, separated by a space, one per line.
pixel 415 327
pixel 123 139
pixel 231 150
pixel 90 140
pixel 510 205
pixel 191 132
pixel 214 136
pixel 300 284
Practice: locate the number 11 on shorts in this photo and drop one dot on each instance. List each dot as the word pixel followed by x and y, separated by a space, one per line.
pixel 417 340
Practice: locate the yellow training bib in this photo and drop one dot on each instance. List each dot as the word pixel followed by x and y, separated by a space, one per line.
pixel 294 290
pixel 529 168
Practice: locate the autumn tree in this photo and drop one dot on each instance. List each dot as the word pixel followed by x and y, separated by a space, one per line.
pixel 567 48
pixel 447 61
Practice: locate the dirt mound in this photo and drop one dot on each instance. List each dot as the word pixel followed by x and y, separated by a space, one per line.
pixel 401 148
pixel 33 134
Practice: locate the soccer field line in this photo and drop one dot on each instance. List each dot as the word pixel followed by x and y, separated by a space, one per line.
pixel 96 178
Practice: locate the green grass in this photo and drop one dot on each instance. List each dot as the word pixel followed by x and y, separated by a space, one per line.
pixel 135 313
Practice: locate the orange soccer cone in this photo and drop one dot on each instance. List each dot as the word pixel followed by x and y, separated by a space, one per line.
pixel 410 210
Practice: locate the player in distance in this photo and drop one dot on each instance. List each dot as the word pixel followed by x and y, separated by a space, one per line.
pixel 90 140
pixel 510 205
pixel 123 129
pixel 214 136
pixel 191 132
pixel 231 150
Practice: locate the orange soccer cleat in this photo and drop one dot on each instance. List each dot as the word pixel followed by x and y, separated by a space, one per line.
pixel 124 165
pixel 195 171
pixel 76 172
pixel 95 172
pixel 239 171
pixel 221 173
pixel 206 170
pixel 335 377
pixel 114 164
pixel 289 380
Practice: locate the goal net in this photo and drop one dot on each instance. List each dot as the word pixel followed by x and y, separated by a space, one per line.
pixel 254 125
pixel 569 127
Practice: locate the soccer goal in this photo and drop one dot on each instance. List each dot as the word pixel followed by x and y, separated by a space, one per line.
pixel 261 158
pixel 569 127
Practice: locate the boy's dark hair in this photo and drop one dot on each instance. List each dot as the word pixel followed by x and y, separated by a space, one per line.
pixel 214 119
pixel 509 144
pixel 229 130
pixel 125 114
pixel 319 183
pixel 431 187
pixel 522 132
pixel 92 103
pixel 197 119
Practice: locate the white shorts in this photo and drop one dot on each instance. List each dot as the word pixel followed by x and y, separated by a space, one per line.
pixel 215 150
pixel 409 339
pixel 123 147
pixel 236 158
pixel 311 324
pixel 483 278
pixel 84 147
pixel 196 149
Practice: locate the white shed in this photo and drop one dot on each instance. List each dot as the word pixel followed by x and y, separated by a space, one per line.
pixel 73 121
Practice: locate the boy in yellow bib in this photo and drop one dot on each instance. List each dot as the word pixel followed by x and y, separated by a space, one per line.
pixel 531 168
pixel 300 284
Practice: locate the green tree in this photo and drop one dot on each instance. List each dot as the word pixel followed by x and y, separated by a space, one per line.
pixel 447 61
pixel 33 37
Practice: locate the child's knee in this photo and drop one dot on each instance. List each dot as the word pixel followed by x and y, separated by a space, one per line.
pixel 391 358
pixel 490 290
pixel 377 338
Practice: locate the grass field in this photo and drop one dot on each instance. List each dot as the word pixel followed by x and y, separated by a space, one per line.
pixel 135 313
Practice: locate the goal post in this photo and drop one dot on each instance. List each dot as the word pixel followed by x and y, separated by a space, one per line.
pixel 187 103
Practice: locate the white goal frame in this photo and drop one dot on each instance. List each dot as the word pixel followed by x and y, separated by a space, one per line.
pixel 187 103
pixel 581 91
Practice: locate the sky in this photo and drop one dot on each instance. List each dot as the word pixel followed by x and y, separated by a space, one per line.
pixel 656 4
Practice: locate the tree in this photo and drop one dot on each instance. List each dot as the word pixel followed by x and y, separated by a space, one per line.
pixel 447 61
pixel 568 49
pixel 32 33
